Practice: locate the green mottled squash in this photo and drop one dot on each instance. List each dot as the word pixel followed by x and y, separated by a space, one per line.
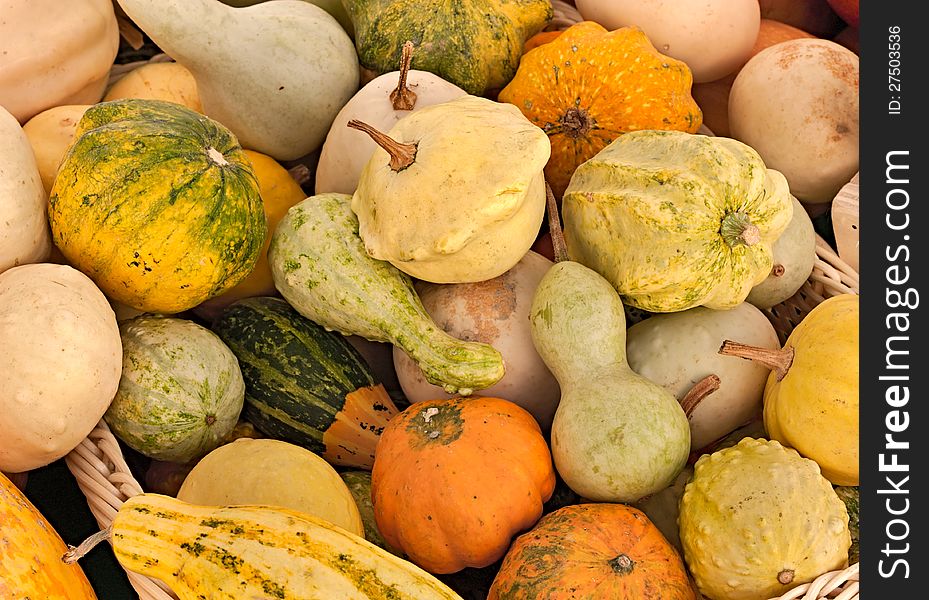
pixel 304 384
pixel 320 266
pixel 475 44
pixel 157 204
pixel 181 390
pixel 239 552
pixel 757 520
pixel 675 220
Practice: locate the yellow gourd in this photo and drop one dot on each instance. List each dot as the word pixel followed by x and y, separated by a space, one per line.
pixel 239 552
pixel 757 520
pixel 169 81
pixel 456 192
pixel 811 396
pixel 275 473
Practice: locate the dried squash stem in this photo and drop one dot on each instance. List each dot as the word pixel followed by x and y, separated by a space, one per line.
pixel 778 361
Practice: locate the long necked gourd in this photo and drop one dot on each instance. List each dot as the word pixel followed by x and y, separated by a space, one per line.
pixel 616 436
pixel 256 553
pixel 276 73
pixel 319 265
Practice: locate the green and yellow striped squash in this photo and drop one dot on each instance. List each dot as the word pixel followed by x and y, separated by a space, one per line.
pixel 675 220
pixel 304 384
pixel 181 390
pixel 475 44
pixel 157 204
pixel 259 552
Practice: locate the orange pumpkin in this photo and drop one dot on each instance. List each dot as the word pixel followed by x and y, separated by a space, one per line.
pixel 590 85
pixel 713 96
pixel 31 551
pixel 454 480
pixel 593 551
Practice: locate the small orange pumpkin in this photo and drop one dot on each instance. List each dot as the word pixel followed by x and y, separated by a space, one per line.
pixel 590 85
pixel 454 480
pixel 592 551
pixel 31 551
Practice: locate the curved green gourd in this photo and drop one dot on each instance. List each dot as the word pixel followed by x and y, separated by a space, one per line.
pixel 319 265
pixel 616 436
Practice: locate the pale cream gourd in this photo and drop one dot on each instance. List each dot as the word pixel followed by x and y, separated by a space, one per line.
pixel 24 233
pixel 794 254
pixel 460 196
pixel 380 103
pixel 50 133
pixel 273 473
pixel 276 74
pixel 52 53
pixel 796 103
pixel 757 520
pixel 495 312
pixel 62 364
pixel 681 28
pixel 677 350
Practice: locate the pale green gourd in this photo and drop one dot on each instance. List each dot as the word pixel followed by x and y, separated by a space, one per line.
pixel 675 220
pixel 616 436
pixel 319 265
pixel 794 254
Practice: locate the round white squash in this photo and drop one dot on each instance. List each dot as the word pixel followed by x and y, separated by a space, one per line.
pixel 681 29
pixel 794 256
pixel 796 104
pixel 60 365
pixel 495 312
pixel 346 151
pixel 24 233
pixel 676 350
pixel 275 473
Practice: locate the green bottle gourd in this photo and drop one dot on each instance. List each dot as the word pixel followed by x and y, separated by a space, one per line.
pixel 616 436
pixel 318 263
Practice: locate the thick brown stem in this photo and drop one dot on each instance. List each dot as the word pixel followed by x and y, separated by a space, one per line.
pixel 401 155
pixel 785 577
pixel 778 361
pixel 403 98
pixel 76 553
pixel 698 392
pixel 559 248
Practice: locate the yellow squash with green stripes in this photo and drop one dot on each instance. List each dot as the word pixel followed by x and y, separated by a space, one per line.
pixel 259 552
pixel 675 220
pixel 158 204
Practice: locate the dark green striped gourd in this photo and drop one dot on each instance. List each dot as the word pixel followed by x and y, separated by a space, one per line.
pixel 303 384
pixel 158 204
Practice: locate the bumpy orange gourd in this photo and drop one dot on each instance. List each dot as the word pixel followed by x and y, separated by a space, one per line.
pixel 454 480
pixel 590 85
pixel 593 551
pixel 30 553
